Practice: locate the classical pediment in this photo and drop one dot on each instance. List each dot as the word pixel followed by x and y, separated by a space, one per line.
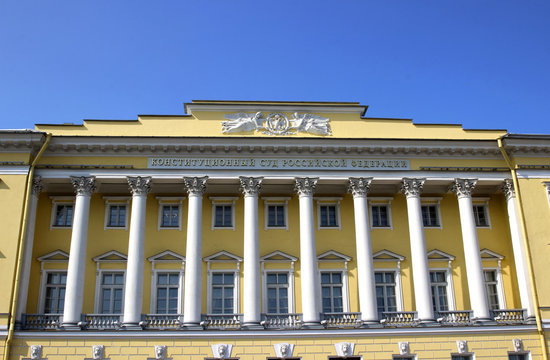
pixel 333 256
pixel 167 256
pixel 223 256
pixel 111 256
pixel 278 256
pixel 54 256
pixel 386 255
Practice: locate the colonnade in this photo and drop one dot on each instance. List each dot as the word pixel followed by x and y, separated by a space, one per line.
pixel 304 186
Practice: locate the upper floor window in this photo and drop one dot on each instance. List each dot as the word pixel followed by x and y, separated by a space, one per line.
pixel 276 216
pixel 111 292
pixel 386 298
pixel 223 292
pixel 481 215
pixel 223 212
pixel 170 216
pixel 430 216
pixel 440 300
pixel 54 299
pixel 167 292
pixel 117 216
pixel 331 291
pixel 116 212
pixel 63 215
pixel 277 292
pixel 328 213
pixel 380 216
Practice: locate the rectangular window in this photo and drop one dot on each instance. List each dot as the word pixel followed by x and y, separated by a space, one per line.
pixel 167 293
pixel 385 292
pixel 117 216
pixel 461 357
pixel 491 284
pixel 277 293
pixel 223 285
pixel 170 216
pixel 63 215
pixel 328 215
pixel 402 357
pixel 331 289
pixel 112 286
pixel 512 356
pixel 276 216
pixel 480 214
pixel 438 281
pixel 223 216
pixel 55 292
pixel 380 216
pixel 430 216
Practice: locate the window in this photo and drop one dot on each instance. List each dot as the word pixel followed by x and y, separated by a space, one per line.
pixel 223 286
pixel 276 216
pixel 63 215
pixel 117 216
pixel 223 216
pixel 518 356
pixel 461 357
pixel 438 281
pixel 331 292
pixel 386 299
pixel 380 215
pixel 112 287
pixel 328 216
pixel 277 293
pixel 481 216
pixel 55 292
pixel 491 284
pixel 411 357
pixel 167 292
pixel 170 216
pixel 430 216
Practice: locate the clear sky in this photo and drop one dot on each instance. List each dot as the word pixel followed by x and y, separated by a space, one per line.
pixel 481 63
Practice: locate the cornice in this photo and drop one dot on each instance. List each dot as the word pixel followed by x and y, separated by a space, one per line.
pixel 23 141
pixel 140 146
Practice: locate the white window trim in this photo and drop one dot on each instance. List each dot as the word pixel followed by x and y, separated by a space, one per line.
pixel 275 201
pixel 450 287
pixel 170 201
pixel 42 290
pixel 523 352
pixel 116 201
pixel 61 200
pixel 154 271
pixel 99 276
pixel 398 284
pixel 380 201
pixel 345 287
pixel 217 200
pixel 479 201
pixel 500 287
pixel 328 201
pixel 49 258
pixel 290 274
pixel 433 201
pixel 233 259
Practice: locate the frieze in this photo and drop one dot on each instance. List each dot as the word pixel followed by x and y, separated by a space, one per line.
pixel 277 163
pixel 276 124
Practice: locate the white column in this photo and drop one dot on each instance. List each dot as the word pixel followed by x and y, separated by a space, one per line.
pixel 308 253
pixel 474 270
pixel 421 275
pixel 133 288
pixel 359 187
pixel 193 255
pixel 27 251
pixel 84 187
pixel 520 258
pixel 250 187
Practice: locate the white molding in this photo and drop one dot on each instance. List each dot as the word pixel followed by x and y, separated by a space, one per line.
pixel 287 257
pixel 14 170
pixel 102 258
pixel 391 256
pixel 324 257
pixel 158 258
pixel 57 201
pixel 398 285
pixel 328 201
pixel 116 201
pixel 380 201
pixel 99 276
pixel 345 287
pixel 232 257
pixel 169 201
pixel 275 201
pixel 49 257
pixel 450 287
pixel 223 200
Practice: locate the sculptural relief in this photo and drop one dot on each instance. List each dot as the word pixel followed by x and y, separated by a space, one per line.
pixel 276 124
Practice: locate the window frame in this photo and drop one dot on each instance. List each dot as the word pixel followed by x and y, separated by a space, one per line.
pixel 169 259
pixel 223 201
pixel 278 257
pixel 275 201
pixel 397 279
pixel 58 257
pixel 482 202
pixel 436 202
pixel 235 290
pixel 154 287
pixel 61 201
pixel 500 288
pixel 99 289
pixel 386 256
pixel 345 288
pixel 380 201
pixel 169 201
pixel 223 257
pixel 43 287
pixel 289 293
pixel 527 354
pixel 329 201
pixel 468 355
pixel 116 201
pixel 117 262
pixel 451 304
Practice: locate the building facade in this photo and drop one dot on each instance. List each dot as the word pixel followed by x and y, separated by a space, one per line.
pixel 273 230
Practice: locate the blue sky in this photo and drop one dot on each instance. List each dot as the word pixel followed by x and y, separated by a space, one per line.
pixel 481 63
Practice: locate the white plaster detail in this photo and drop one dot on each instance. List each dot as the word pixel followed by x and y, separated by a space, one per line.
pixel 222 351
pixel 283 350
pixel 462 346
pixel 518 345
pixel 160 352
pixel 344 348
pixel 98 351
pixel 404 348
pixel 36 352
pixel 276 123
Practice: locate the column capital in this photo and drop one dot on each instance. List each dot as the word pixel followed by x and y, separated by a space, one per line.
pixel 195 185
pixel 412 187
pixel 508 189
pixel 359 186
pixel 250 186
pixel 83 185
pixel 463 187
pixel 305 186
pixel 37 185
pixel 139 185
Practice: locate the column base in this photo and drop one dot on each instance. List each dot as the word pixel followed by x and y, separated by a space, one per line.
pixel 71 326
pixel 428 322
pixel 132 326
pixel 252 326
pixel 192 326
pixel 484 321
pixel 531 320
pixel 370 324
pixel 312 325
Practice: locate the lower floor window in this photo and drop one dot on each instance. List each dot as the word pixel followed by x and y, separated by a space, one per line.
pixel 518 356
pixel 223 286
pixel 277 293
pixel 331 287
pixel 491 284
pixel 461 357
pixel 438 280
pixel 167 293
pixel 112 286
pixel 55 292
pixel 385 292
